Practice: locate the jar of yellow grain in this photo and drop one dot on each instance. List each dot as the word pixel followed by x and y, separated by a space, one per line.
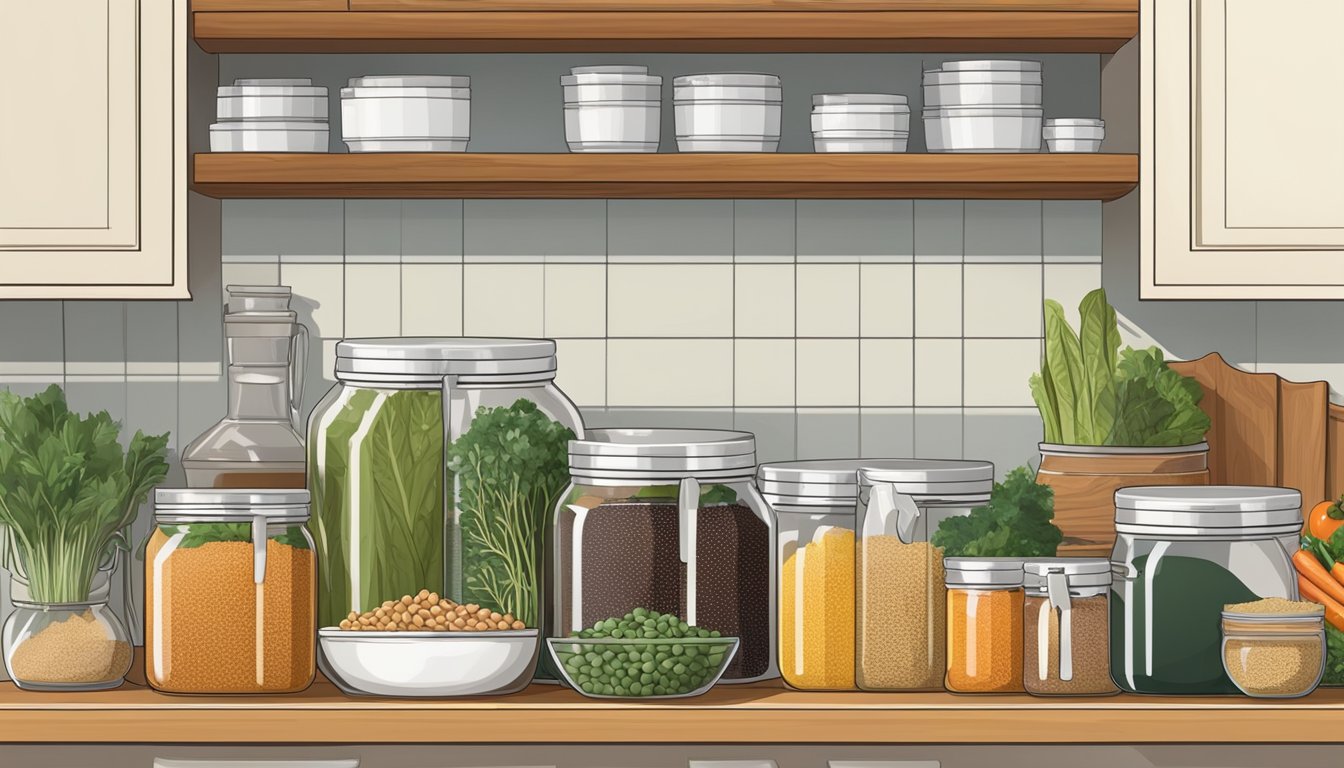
pixel 230 592
pixel 814 506
pixel 1274 648
pixel 901 601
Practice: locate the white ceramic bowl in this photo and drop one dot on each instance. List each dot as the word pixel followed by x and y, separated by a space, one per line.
pixel 887 144
pixel 983 129
pixel 860 119
pixel 726 144
pixel 978 94
pixel 429 664
pixel 270 102
pixel 727 86
pixel 1062 146
pixel 615 83
pixel 269 137
pixel 990 77
pixel 406 115
pixel 727 126
pixel 991 65
pixel 613 126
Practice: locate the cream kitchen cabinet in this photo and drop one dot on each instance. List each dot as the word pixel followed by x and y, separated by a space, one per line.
pixel 93 177
pixel 1242 174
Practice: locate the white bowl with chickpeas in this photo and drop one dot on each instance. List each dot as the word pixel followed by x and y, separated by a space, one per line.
pixel 429 647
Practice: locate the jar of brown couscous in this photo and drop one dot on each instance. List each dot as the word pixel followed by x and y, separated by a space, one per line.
pixel 1066 622
pixel 230 592
pixel 1274 648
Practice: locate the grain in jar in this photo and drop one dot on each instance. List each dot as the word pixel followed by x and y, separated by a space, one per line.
pixel 230 592
pixel 1274 648
pixel 814 502
pixel 984 625
pixel 1066 620
pixel 901 602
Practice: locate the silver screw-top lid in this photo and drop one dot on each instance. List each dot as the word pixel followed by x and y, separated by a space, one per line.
pixel 991 572
pixel 427 359
pixel 1081 573
pixel 930 477
pixel 858 99
pixel 410 81
pixel 662 454
pixel 1208 510
pixel 281 504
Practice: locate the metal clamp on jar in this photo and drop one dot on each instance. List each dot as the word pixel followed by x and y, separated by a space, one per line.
pixel 1066 618
pixel 667 520
pixel 901 602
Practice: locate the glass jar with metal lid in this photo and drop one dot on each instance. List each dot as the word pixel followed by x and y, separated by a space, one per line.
pixel 230 592
pixel 1181 554
pixel 668 520
pixel 1065 619
pixel 984 624
pixel 404 413
pixel 901 603
pixel 813 502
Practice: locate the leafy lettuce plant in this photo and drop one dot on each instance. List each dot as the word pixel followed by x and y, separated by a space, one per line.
pixel 68 489
pixel 1091 392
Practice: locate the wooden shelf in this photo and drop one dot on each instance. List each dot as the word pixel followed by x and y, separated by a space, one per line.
pixel 539 26
pixel 764 714
pixel 483 175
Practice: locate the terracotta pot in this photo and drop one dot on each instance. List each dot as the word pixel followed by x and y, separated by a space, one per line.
pixel 1086 477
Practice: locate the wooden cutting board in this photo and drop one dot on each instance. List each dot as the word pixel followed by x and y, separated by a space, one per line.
pixel 1267 430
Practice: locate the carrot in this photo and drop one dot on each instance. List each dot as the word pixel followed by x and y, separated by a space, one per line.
pixel 1338 572
pixel 1311 569
pixel 1334 612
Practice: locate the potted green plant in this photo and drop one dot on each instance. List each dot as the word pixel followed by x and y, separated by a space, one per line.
pixel 1113 418
pixel 68 491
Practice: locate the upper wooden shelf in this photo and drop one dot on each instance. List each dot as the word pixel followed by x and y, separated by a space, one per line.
pixel 789 176
pixel 540 26
pixel 761 714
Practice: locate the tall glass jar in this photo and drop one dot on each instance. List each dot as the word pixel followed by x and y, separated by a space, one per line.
pixel 1181 554
pixel 668 520
pixel 408 413
pixel 230 592
pixel 900 600
pixel 1066 627
pixel 814 504
pixel 984 624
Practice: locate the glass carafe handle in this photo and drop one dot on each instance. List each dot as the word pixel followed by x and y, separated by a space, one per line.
pixel 884 501
pixel 688 507
pixel 299 365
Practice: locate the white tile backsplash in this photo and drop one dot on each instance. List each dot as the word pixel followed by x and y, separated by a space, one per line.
pixel 431 299
pixel 371 308
pixel 764 373
pixel 938 372
pixel 503 299
pixel 576 300
pixel 673 300
pixel 938 299
pixel 764 303
pixel 828 300
pixel 653 373
pixel 828 372
pixel 1002 300
pixel 886 372
pixel 997 371
pixel 1003 231
pixel 887 300
pixel 318 296
pixel 584 375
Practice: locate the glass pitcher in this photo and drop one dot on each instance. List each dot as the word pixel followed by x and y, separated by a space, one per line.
pixel 257 444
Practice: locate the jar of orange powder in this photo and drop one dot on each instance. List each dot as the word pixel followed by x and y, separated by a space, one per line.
pixel 984 624
pixel 230 592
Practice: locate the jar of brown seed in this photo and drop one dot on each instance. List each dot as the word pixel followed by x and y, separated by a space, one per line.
pixel 1274 648
pixel 1066 627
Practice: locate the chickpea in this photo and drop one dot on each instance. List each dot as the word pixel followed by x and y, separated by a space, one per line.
pixel 519 625
pixel 407 600
pixel 345 624
pixel 419 622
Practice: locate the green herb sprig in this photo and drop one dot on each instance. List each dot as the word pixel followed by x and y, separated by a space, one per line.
pixel 67 489
pixel 1015 523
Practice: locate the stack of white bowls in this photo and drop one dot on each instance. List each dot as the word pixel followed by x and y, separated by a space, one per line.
pixel 727 112
pixel 983 106
pixel 1074 134
pixel 860 122
pixel 612 109
pixel 406 113
pixel 270 115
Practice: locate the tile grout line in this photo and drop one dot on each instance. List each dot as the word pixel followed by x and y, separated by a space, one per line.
pixel 797 419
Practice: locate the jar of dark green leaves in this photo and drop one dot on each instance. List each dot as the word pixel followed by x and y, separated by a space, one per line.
pixel 408 413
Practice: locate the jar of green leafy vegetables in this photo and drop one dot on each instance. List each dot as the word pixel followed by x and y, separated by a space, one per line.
pixel 434 464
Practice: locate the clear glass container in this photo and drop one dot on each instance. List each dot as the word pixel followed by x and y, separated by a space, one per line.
pixel 1274 656
pixel 257 443
pixel 404 415
pixel 668 520
pixel 1066 649
pixel 1181 554
pixel 984 624
pixel 813 502
pixel 66 646
pixel 900 598
pixel 230 592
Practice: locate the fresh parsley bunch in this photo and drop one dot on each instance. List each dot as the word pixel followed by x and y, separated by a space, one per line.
pixel 1015 523
pixel 67 489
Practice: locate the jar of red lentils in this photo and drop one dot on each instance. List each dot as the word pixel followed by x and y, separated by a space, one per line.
pixel 230 592
pixel 984 624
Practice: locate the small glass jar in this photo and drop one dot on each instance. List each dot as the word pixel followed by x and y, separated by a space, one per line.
pixel 1274 656
pixel 66 646
pixel 1181 554
pixel 814 502
pixel 984 624
pixel 230 592
pixel 1066 621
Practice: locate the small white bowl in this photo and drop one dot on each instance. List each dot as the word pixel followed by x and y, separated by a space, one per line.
pixel 429 664
pixel 884 144
pixel 1062 146
pixel 269 137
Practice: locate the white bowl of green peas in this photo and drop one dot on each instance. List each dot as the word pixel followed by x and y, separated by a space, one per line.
pixel 642 668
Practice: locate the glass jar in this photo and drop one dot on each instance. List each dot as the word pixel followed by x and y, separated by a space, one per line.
pixel 813 502
pixel 230 592
pixel 984 624
pixel 66 646
pixel 669 521
pixel 405 414
pixel 901 602
pixel 1066 622
pixel 1181 554
pixel 1274 656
